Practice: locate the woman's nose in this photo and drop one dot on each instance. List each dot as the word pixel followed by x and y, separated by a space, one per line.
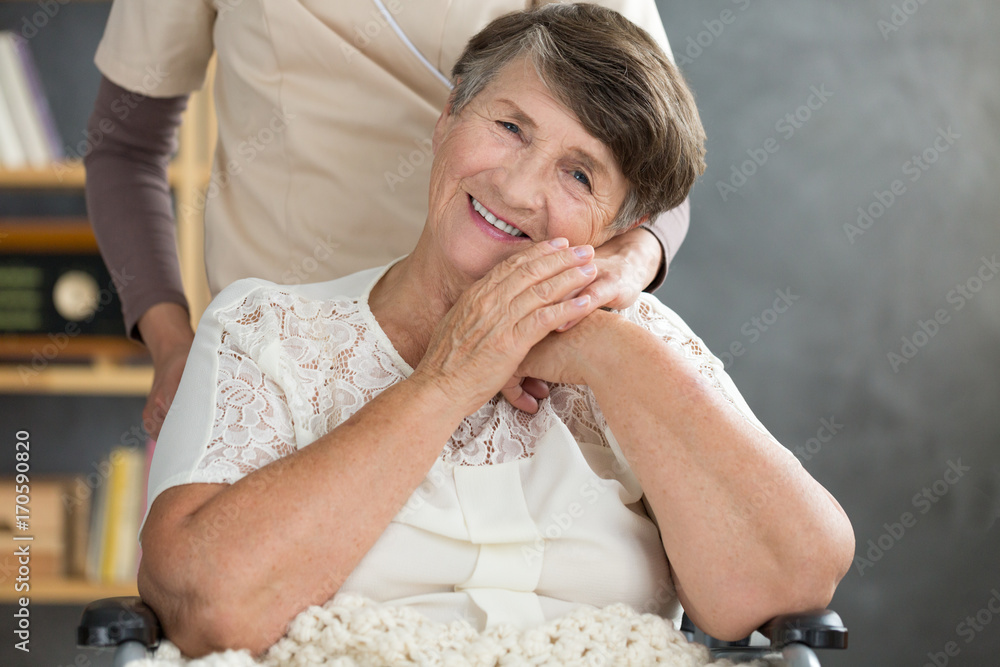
pixel 522 181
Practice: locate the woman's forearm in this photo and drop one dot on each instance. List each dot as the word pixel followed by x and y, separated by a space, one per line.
pixel 749 533
pixel 286 536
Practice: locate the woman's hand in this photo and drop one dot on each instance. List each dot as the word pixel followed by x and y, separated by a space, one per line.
pixel 565 356
pixel 480 343
pixel 626 264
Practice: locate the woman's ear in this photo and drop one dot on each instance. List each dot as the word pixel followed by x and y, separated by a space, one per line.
pixel 441 125
pixel 439 128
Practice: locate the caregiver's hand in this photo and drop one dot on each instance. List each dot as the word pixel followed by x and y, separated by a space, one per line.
pixel 166 330
pixel 481 341
pixel 626 264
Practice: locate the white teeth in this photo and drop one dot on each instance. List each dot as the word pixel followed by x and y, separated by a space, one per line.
pixel 495 221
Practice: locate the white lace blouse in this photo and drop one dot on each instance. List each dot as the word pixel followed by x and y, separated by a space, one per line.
pixel 521 519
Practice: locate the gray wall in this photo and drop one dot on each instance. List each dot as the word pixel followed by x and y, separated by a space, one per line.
pixel 855 297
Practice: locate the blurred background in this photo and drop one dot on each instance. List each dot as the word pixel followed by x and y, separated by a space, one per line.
pixel 842 260
pixel 883 373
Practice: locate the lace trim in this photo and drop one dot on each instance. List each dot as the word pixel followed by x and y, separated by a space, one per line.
pixel 656 318
pixel 329 363
pixel 253 425
pixel 292 369
pixel 657 322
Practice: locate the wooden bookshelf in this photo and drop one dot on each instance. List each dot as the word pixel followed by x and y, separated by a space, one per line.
pixel 72 176
pixel 99 367
pixel 56 590
pixel 103 365
pixel 87 379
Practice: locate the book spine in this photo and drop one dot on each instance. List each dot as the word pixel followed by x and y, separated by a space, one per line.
pixel 41 103
pixel 98 524
pixel 127 561
pixel 11 151
pixel 15 85
pixel 115 508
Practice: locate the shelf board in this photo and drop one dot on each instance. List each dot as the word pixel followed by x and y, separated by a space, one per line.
pixel 103 378
pixel 46 235
pixel 60 175
pixel 71 175
pixel 58 590
pixel 25 348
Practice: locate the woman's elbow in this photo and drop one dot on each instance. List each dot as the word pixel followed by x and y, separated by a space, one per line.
pixel 811 585
pixel 834 554
pixel 182 616
pixel 199 618
pixel 806 582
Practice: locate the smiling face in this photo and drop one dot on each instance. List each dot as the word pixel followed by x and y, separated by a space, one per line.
pixel 515 167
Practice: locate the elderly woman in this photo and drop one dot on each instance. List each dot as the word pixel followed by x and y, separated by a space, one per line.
pixel 349 436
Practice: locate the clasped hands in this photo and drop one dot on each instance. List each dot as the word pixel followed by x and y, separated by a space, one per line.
pixel 516 329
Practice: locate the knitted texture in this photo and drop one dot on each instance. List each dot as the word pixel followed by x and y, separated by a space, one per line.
pixel 351 631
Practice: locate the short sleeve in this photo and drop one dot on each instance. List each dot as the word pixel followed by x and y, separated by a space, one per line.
pixel 159 48
pixel 229 416
pixel 252 425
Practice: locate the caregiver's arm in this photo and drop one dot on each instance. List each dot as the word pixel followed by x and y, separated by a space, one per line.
pixel 129 206
pixel 749 533
pixel 228 566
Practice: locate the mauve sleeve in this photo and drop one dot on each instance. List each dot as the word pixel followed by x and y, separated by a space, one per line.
pixel 128 196
pixel 669 228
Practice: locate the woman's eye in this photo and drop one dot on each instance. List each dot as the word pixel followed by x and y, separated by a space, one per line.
pixel 582 177
pixel 510 127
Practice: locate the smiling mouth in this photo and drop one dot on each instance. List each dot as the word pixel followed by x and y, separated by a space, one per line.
pixel 502 225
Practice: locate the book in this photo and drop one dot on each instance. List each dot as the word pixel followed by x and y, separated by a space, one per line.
pixel 43 111
pixel 78 503
pixel 43 518
pixel 126 554
pixel 115 558
pixel 114 511
pixel 17 91
pixel 11 152
pixel 95 537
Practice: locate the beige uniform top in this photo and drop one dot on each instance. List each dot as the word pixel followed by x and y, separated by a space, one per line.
pixel 318 102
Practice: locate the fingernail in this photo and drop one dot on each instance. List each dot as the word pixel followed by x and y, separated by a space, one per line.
pixel 581 301
pixel 582 251
pixel 559 243
pixel 588 270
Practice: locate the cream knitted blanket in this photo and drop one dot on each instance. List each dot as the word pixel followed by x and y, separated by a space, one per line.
pixel 351 631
